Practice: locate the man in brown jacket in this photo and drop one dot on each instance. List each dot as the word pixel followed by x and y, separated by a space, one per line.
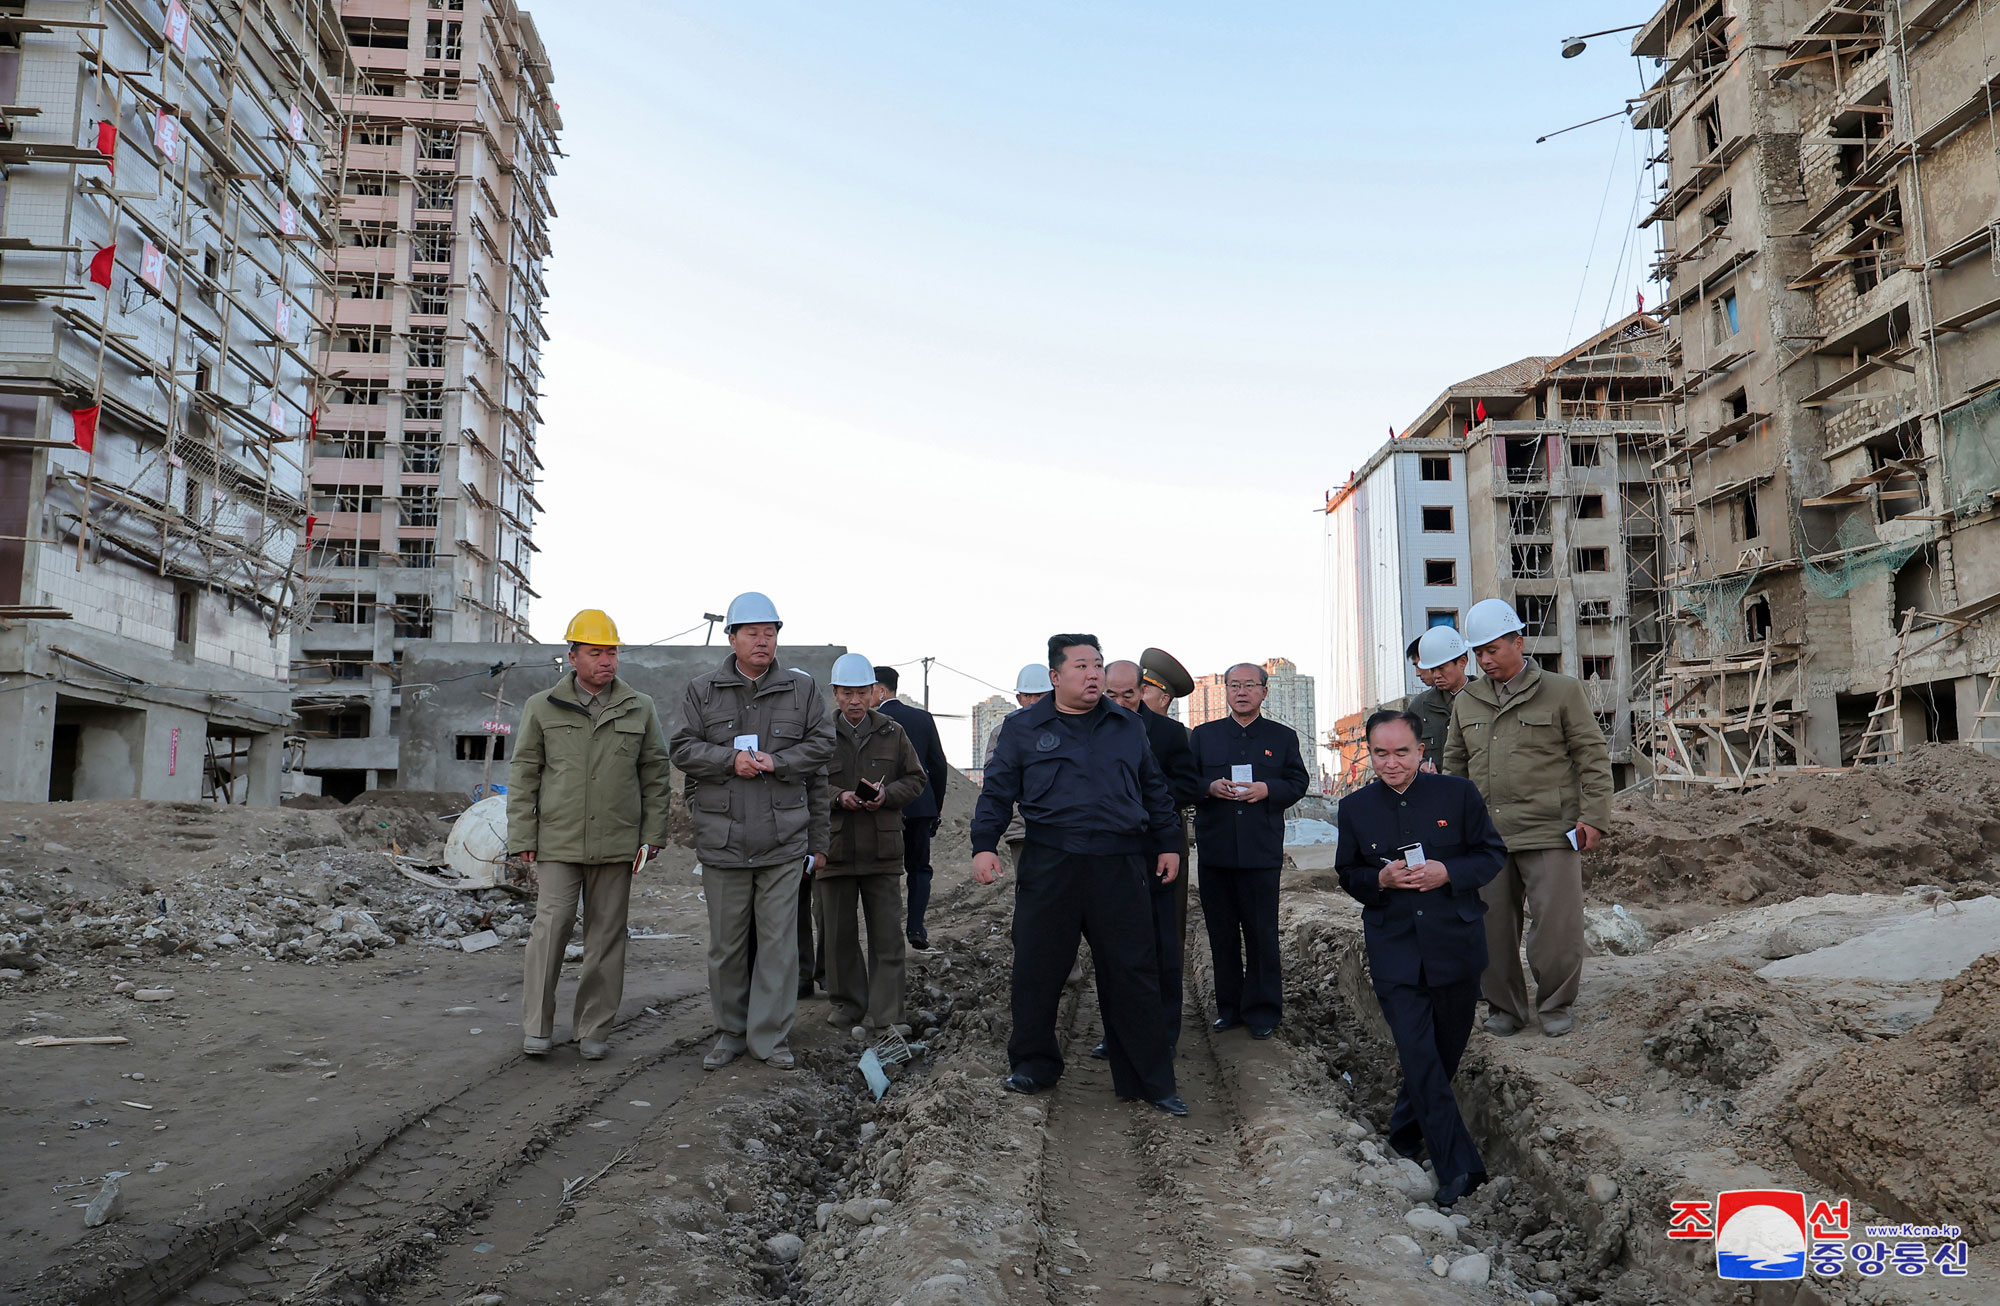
pixel 587 807
pixel 753 738
pixel 1528 739
pixel 874 774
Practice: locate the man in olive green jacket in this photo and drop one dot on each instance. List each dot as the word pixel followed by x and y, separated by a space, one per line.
pixel 752 738
pixel 875 773
pixel 587 806
pixel 1528 739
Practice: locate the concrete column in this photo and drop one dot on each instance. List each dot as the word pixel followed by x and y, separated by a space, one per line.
pixel 172 766
pixel 27 723
pixel 267 755
pixel 1967 691
pixel 1821 731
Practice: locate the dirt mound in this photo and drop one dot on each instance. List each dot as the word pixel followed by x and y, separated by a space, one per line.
pixel 1907 1124
pixel 1934 818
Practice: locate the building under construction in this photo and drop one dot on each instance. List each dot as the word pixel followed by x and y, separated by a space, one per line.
pixel 1826 225
pixel 164 186
pixel 423 471
pixel 1536 483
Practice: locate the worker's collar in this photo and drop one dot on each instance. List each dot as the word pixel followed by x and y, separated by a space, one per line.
pixel 1404 791
pixel 1245 725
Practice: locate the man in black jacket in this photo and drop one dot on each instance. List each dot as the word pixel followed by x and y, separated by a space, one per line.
pixel 920 818
pixel 1423 922
pixel 1252 770
pixel 1169 740
pixel 1100 829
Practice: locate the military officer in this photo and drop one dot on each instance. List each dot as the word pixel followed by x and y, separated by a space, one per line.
pixel 1125 683
pixel 1415 850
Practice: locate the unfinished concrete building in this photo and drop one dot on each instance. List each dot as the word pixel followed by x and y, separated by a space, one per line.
pixel 1535 483
pixel 162 206
pixel 1565 511
pixel 424 468
pixel 1827 227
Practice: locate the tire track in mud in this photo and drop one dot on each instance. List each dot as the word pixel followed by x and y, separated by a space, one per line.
pixel 377 1219
pixel 1141 1207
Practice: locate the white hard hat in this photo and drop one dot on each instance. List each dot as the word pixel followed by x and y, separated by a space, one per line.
pixel 1489 620
pixel 750 609
pixel 1034 679
pixel 853 671
pixel 1439 645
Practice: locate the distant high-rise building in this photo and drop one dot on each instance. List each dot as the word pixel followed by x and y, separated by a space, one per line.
pixel 1288 700
pixel 986 718
pixel 424 461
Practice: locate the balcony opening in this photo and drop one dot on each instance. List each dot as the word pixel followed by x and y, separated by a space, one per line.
pixel 413 616
pixel 1538 617
pixel 1588 560
pixel 1757 619
pixel 1599 667
pixel 1531 562
pixel 1589 506
pixel 1437 520
pixel 1440 571
pixel 479 748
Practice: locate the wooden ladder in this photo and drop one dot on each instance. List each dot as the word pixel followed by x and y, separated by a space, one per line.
pixel 1882 741
pixel 1986 724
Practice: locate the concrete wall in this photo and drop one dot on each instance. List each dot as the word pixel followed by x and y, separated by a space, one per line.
pixel 445 695
pixel 125 703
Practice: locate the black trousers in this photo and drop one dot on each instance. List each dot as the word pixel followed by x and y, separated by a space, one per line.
pixel 1241 907
pixel 1431 1023
pixel 1167 916
pixel 917 867
pixel 1058 897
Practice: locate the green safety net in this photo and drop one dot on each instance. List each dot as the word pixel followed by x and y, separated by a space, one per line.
pixel 1857 555
pixel 1718 604
pixel 1972 454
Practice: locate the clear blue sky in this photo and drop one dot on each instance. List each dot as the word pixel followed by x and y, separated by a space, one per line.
pixel 953 325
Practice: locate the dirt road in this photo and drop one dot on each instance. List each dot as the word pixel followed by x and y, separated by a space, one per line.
pixel 301 1128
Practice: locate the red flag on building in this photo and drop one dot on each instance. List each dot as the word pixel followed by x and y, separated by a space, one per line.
pixel 100 265
pixel 1479 411
pixel 84 425
pixel 312 425
pixel 309 528
pixel 107 145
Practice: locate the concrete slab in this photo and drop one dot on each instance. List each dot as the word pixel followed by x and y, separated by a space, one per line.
pixel 1930 946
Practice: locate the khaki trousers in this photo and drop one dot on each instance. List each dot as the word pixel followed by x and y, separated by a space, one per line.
pixel 1549 883
pixel 870 984
pixel 756 1001
pixel 606 890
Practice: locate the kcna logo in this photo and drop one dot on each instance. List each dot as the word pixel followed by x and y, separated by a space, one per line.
pixel 1768 1233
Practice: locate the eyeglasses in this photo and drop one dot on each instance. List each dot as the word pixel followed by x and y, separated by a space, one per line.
pixel 1242 684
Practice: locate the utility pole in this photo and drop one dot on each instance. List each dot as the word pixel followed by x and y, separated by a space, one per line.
pixel 711 618
pixel 927 683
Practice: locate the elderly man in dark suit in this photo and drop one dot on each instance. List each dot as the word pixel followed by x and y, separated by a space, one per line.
pixel 920 818
pixel 1415 849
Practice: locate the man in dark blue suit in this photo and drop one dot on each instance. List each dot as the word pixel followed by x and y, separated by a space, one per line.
pixel 1415 847
pixel 920 818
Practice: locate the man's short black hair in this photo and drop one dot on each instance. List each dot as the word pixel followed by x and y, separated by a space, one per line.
pixel 1060 645
pixel 1410 653
pixel 1384 717
pixel 887 678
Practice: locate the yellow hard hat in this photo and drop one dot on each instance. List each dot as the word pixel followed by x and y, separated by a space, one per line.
pixel 592 626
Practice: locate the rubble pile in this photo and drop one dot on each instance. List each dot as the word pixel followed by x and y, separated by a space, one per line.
pixel 1907 1123
pixel 297 885
pixel 342 906
pixel 1931 819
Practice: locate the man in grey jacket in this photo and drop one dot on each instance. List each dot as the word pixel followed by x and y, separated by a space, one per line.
pixel 752 740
